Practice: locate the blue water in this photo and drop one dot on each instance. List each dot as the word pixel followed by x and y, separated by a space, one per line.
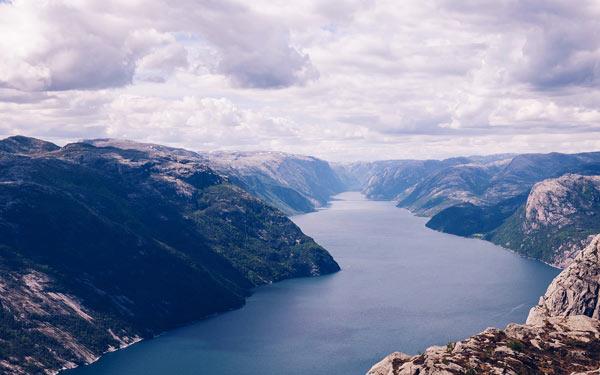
pixel 403 287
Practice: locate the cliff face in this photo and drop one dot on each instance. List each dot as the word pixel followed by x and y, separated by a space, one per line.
pixel 428 187
pixel 561 336
pixel 558 219
pixel 553 222
pixel 576 290
pixel 556 202
pixel 102 246
pixel 291 183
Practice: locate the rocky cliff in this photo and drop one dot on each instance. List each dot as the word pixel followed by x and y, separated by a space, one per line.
pixel 427 187
pixel 576 290
pixel 102 245
pixel 291 183
pixel 561 336
pixel 553 222
pixel 558 219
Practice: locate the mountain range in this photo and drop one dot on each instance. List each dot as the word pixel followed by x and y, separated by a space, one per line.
pixel 493 197
pixel 292 183
pixel 104 243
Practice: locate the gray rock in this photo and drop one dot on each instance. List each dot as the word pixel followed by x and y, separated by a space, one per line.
pixel 575 290
pixel 561 336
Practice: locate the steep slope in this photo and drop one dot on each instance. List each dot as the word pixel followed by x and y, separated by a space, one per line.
pixel 468 219
pixel 525 170
pixel 561 336
pixel 428 187
pixel 576 290
pixel 396 181
pixel 291 183
pixel 464 183
pixel 390 179
pixel 556 221
pixel 102 246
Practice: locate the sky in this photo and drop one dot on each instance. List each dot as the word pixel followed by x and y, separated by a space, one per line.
pixel 342 80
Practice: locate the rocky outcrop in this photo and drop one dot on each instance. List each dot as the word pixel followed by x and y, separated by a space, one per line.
pixel 560 345
pixel 558 202
pixel 576 290
pixel 561 336
pixel 556 222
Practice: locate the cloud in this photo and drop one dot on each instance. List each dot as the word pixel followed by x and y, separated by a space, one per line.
pixel 363 79
pixel 559 39
pixel 55 46
pixel 65 45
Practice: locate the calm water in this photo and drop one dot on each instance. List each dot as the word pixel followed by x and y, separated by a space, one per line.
pixel 403 287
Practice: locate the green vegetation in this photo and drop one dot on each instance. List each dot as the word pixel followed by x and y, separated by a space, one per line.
pixel 515 345
pixel 145 242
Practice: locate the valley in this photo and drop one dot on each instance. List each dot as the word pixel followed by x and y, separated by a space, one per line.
pixel 107 242
pixel 402 286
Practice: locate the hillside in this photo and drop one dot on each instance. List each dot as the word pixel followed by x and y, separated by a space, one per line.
pixel 553 222
pixel 556 221
pixel 103 246
pixel 467 219
pixel 291 183
pixel 390 179
pixel 428 187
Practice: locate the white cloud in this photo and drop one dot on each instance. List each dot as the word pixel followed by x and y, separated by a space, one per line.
pixel 361 79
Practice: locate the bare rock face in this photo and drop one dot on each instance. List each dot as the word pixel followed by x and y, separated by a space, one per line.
pixel 575 291
pixel 560 345
pixel 554 202
pixel 558 220
pixel 561 336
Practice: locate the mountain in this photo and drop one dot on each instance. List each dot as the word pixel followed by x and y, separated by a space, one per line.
pixel 24 145
pixel 390 179
pixel 103 245
pixel 291 183
pixel 428 187
pixel 553 222
pixel 561 336
pixel 471 220
pixel 463 183
pixel 423 186
pixel 556 221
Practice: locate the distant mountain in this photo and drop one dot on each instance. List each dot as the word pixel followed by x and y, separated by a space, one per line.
pixel 557 220
pixel 25 145
pixel 105 244
pixel 551 223
pixel 468 219
pixel 561 336
pixel 390 179
pixel 462 183
pixel 424 186
pixel 428 187
pixel 291 183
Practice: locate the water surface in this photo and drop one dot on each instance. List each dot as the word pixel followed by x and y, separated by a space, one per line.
pixel 403 287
